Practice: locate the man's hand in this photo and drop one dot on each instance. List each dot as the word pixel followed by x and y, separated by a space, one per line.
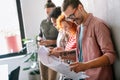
pixel 78 67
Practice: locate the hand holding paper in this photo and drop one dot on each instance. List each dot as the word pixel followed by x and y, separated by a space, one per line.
pixel 56 64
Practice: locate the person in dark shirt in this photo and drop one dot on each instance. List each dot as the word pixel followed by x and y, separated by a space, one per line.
pixel 47 36
pixel 48 33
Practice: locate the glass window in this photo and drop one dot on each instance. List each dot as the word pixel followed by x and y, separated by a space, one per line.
pixel 11 28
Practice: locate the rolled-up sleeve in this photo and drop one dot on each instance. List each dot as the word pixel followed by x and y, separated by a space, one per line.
pixel 111 57
pixel 105 42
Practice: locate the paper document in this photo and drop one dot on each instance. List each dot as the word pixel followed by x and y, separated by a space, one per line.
pixel 56 64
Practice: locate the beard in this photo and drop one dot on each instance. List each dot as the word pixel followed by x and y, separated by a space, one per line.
pixel 78 21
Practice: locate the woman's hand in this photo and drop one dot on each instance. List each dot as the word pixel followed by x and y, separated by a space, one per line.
pixel 69 57
pixel 47 42
pixel 56 51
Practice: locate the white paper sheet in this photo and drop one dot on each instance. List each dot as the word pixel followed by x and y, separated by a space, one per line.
pixel 56 64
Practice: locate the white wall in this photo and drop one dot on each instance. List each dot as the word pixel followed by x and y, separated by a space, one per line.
pixel 57 2
pixel 33 13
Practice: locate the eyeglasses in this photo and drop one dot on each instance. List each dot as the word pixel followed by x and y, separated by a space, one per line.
pixel 71 17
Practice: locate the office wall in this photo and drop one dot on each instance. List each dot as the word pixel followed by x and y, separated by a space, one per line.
pixel 33 13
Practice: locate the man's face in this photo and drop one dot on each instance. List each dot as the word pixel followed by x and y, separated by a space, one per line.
pixel 48 10
pixel 73 15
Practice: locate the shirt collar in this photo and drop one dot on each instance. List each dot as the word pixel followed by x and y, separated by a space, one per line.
pixel 88 19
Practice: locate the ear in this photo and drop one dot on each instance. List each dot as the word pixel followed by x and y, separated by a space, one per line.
pixel 80 7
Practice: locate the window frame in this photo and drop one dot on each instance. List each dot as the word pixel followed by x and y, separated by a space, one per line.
pixel 20 18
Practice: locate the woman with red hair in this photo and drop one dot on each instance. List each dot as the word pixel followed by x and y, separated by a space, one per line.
pixel 66 41
pixel 69 29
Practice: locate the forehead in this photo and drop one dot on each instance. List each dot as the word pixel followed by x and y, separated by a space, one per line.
pixel 49 9
pixel 68 11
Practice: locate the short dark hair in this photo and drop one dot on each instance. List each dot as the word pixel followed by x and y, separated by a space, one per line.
pixel 49 4
pixel 55 13
pixel 73 3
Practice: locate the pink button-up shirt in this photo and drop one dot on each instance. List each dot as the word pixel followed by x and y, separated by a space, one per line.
pixel 95 43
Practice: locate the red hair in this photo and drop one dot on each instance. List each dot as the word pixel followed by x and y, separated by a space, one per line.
pixel 59 24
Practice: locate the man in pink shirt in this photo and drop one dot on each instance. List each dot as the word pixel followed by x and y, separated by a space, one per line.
pixel 95 51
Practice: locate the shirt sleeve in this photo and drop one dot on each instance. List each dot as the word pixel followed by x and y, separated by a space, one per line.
pixel 105 42
pixel 40 34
